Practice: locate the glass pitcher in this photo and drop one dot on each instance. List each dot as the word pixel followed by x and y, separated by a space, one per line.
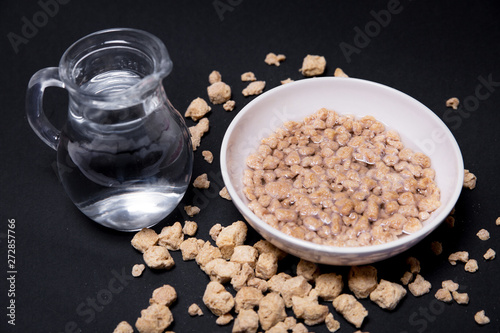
pixel 124 155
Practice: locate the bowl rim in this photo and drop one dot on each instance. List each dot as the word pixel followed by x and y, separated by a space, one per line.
pixel 303 244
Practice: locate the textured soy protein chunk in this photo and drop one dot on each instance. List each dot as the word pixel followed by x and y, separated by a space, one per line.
pixel 387 295
pixel 247 321
pixel 124 327
pixel 225 319
pixel 469 179
pixel 308 309
pixel 137 270
pixel 267 266
pixel 171 236
pixel 300 328
pixel 444 295
pixel 189 228
pixel 420 286
pixel 307 269
pixel 219 93
pixel 329 285
pixel 229 105
pixel 241 279
pixel 190 248
pixel 230 237
pixel 437 247
pixel 248 76
pixel 244 254
pixel 352 310
pixel 288 80
pixel 207 253
pixel 155 319
pixel 198 131
pixel 331 324
pixel 195 310
pixel 290 322
pixel 450 285
pixel 202 181
pixel 362 280
pixel 339 73
pixel 406 278
pixel 225 194
pixel 471 266
pixel 271 310
pixel 197 109
pixel 254 88
pixel 217 299
pixel 295 286
pixel 462 256
pixel 221 270
pixel 214 77
pixel 273 59
pixel 215 231
pixel 277 282
pixel 483 234
pixel 144 239
pixel 414 265
pixel 280 327
pixel 247 298
pixel 165 295
pixel 191 210
pixel 481 318
pixel 450 221
pixel 460 298
pixel 313 65
pixel 158 257
pixel 208 156
pixel 264 246
pixel 258 283
pixel 490 254
pixel 453 103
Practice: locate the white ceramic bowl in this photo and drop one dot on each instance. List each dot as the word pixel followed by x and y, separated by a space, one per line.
pixel 419 128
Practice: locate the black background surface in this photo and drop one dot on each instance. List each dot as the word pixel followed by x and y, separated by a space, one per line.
pixel 431 50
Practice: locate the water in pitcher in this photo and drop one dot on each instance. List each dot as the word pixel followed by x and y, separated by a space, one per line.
pixel 127 166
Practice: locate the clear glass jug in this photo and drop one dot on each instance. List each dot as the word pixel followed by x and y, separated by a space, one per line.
pixel 124 155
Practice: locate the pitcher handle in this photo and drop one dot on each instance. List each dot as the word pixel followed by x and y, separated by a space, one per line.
pixel 47 77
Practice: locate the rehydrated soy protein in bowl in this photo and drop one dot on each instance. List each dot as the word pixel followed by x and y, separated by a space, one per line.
pixel 337 180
